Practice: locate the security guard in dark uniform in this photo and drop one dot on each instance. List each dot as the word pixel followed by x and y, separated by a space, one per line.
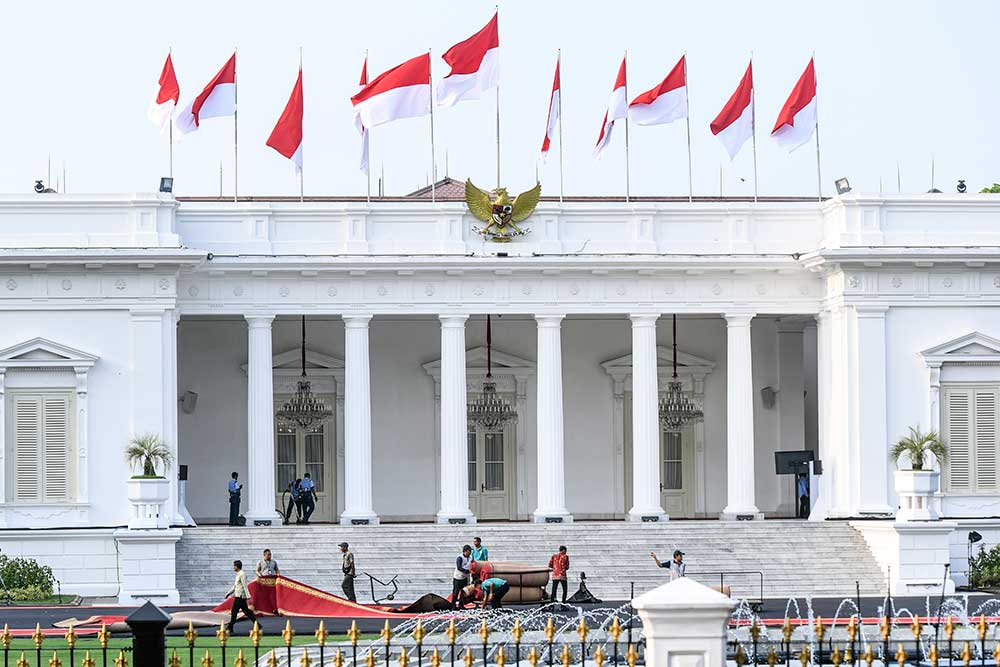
pixel 234 499
pixel 307 496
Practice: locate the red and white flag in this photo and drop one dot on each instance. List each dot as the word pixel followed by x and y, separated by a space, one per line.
pixel 553 119
pixel 798 118
pixel 617 108
pixel 363 164
pixel 218 99
pixel 165 98
pixel 401 92
pixel 734 124
pixel 286 138
pixel 666 102
pixel 475 67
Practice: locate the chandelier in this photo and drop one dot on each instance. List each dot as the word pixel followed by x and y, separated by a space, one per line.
pixel 676 409
pixel 490 410
pixel 304 408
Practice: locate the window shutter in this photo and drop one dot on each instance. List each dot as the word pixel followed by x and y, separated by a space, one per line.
pixel 985 437
pixel 27 447
pixel 56 440
pixel 958 441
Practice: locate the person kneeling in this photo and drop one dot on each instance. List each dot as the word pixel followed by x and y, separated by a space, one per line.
pixel 494 589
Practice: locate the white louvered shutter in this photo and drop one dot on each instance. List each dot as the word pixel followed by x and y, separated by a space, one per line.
pixel 27 445
pixel 957 425
pixel 984 435
pixel 56 443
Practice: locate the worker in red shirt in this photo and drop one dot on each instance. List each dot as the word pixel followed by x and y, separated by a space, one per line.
pixel 559 564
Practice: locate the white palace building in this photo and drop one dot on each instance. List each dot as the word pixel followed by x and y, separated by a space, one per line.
pixel 827 326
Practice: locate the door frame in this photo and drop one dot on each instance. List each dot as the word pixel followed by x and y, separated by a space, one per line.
pixel 329 453
pixel 689 446
pixel 510 469
pixel 511 375
pixel 692 372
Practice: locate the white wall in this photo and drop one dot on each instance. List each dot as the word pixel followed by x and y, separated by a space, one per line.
pixel 84 561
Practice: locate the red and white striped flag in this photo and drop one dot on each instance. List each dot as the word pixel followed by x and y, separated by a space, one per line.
pixel 798 118
pixel 553 119
pixel 286 138
pixel 666 102
pixel 217 100
pixel 475 67
pixel 363 164
pixel 167 94
pixel 401 92
pixel 734 124
pixel 617 108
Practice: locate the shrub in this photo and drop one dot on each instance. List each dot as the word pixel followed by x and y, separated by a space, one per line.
pixel 22 574
pixel 984 568
pixel 30 594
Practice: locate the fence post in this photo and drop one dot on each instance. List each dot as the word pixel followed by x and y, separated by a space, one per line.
pixel 148 623
pixel 684 623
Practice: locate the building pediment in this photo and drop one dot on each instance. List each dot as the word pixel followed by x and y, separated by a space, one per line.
pixel 973 347
pixel 687 363
pixel 44 353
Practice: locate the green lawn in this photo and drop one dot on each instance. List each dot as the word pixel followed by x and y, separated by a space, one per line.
pixel 49 601
pixel 203 643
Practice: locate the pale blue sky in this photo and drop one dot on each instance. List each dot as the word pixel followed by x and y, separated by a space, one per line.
pixel 898 80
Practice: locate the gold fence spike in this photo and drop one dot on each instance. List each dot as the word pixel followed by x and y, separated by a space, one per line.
pixel 966 654
pixel 740 657
pixel 852 627
pixel 288 634
pixel 550 629
pixel 38 636
pixel 517 632
pixel 484 631
pixel 122 661
pixel 836 657
pixel 754 630
pixel 916 628
pixel 565 657
pixel 103 635
pixel 55 661
pixel 304 661
pixel 222 634
pixel 868 656
pixel 500 658
pixel 981 626
pixel 467 658
pixel 599 657
pixel 6 637
pixel 884 628
pixel 338 659
pixel 174 661
pixel 21 662
pixel 403 659
pixel 272 660
pixel 533 657
pixel 804 656
pixel 615 630
pixel 949 628
pixel 89 662
pixel 772 657
pixel 848 656
pixel 240 661
pixel 901 656
pixel 820 630
pixel 353 634
pixel 386 633
pixel 369 658
pixel 419 633
pixel 933 656
pixel 70 637
pixel 582 630
pixel 190 634
pixel 256 634
pixel 786 630
pixel 996 654
pixel 435 658
pixel 631 656
pixel 321 633
pixel 451 632
pixel 207 660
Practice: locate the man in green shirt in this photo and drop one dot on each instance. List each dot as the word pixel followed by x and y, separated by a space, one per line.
pixel 479 552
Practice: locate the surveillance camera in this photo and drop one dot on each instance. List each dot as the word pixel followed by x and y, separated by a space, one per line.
pixel 39 187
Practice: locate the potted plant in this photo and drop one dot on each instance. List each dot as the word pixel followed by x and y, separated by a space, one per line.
pixel 148 491
pixel 917 485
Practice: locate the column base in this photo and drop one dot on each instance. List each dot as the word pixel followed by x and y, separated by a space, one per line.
pixel 551 516
pixel 148 566
pixel 271 518
pixel 359 519
pixel 880 510
pixel 647 515
pixel 741 514
pixel 455 518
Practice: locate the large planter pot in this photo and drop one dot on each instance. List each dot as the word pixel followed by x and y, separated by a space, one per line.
pixel 146 497
pixel 916 489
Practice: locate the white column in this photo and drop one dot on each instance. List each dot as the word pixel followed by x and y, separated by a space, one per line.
pixel 551 472
pixel 258 496
pixel 739 419
pixel 646 504
pixel 358 507
pixel 825 501
pixel 148 413
pixel 454 424
pixel 790 405
pixel 170 395
pixel 873 439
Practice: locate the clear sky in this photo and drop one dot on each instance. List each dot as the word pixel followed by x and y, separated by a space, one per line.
pixel 899 80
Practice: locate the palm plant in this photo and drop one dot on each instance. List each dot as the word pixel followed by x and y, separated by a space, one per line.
pixel 917 445
pixel 149 450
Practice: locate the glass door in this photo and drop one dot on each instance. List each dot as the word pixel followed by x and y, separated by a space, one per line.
pixel 489 473
pixel 301 451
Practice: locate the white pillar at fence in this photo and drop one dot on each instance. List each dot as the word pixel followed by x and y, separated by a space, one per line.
pixel 684 624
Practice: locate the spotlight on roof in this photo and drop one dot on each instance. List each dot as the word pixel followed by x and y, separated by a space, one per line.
pixel 974 537
pixel 961 186
pixel 167 184
pixel 843 186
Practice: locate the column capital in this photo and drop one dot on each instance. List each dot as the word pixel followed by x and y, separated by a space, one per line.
pixel 453 320
pixel 738 319
pixel 259 321
pixel 549 319
pixel 644 319
pixel 357 321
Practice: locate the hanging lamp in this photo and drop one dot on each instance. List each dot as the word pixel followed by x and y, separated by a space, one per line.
pixel 490 410
pixel 676 409
pixel 304 408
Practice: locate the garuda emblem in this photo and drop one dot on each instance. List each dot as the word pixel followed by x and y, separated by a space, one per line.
pixel 499 212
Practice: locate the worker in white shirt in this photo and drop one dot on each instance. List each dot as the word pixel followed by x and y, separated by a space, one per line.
pixel 240 593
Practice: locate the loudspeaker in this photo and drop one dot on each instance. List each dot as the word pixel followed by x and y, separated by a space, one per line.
pixel 182 473
pixel 767 396
pixel 188 402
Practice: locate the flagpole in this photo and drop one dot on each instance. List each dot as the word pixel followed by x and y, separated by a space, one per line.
pixel 170 124
pixel 366 136
pixel 498 100
pixel 559 103
pixel 627 184
pixel 688 121
pixel 236 137
pixel 819 176
pixel 753 128
pixel 302 169
pixel 430 81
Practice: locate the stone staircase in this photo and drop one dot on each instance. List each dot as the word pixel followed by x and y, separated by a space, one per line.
pixel 797 558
